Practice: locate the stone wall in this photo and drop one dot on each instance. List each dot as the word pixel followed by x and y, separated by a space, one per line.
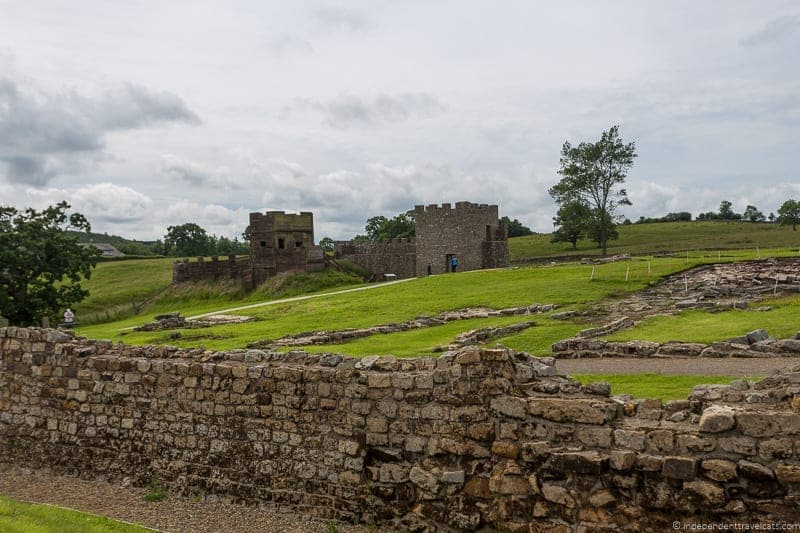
pixel 395 256
pixel 470 231
pixel 477 438
pixel 232 267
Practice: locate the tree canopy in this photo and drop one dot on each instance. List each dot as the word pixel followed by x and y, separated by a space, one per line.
pixel 571 219
pixel 515 227
pixel 789 214
pixel 591 174
pixel 380 228
pixel 41 264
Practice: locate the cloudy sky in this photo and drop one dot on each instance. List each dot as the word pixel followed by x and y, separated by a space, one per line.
pixel 143 114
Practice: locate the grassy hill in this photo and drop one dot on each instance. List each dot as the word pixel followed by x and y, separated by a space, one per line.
pixel 660 238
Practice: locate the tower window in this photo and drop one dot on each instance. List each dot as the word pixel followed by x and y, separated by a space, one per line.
pixel 263 244
pixel 298 244
pixel 281 243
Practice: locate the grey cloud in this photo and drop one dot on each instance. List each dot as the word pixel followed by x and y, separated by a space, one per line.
pixel 774 31
pixel 289 44
pixel 46 134
pixel 348 110
pixel 339 18
pixel 184 170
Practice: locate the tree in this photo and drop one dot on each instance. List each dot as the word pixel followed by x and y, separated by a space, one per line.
pixel 187 240
pixel 752 214
pixel 726 212
pixel 41 265
pixel 789 214
pixel 591 173
pixel 380 228
pixel 515 227
pixel 572 220
pixel 326 243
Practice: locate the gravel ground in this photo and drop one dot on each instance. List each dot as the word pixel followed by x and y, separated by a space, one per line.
pixel 708 366
pixel 173 514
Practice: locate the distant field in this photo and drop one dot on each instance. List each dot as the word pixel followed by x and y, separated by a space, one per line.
pixel 654 239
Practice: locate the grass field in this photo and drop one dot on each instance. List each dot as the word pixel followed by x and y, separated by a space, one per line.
pixel 670 237
pixel 701 326
pixel 569 285
pixel 19 517
pixel 653 385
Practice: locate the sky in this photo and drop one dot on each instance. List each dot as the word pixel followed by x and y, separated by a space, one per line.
pixel 145 114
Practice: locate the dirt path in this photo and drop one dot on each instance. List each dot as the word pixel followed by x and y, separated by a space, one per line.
pixel 173 514
pixel 756 366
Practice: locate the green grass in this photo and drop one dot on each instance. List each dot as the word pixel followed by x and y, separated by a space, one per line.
pixel 666 387
pixel 649 239
pixel 563 284
pixel 19 517
pixel 701 326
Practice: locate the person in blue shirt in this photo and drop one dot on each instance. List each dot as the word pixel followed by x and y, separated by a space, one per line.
pixel 453 263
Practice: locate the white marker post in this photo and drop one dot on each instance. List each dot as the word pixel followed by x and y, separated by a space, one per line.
pixel 758 253
pixel 627 273
pixel 686 284
pixel 591 278
pixel 775 290
pixel 648 268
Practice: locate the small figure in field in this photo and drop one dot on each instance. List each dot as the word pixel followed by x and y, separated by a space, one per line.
pixel 69 317
pixel 453 263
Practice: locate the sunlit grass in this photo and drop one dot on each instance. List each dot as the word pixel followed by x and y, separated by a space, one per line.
pixel 665 387
pixel 19 517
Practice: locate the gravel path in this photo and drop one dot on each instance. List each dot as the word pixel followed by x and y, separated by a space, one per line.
pixel 756 366
pixel 173 514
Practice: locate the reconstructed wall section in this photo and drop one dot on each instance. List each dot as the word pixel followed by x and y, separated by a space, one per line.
pixel 469 231
pixel 477 438
pixel 232 267
pixel 395 256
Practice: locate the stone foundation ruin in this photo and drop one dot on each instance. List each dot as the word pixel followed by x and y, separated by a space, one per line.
pixel 479 438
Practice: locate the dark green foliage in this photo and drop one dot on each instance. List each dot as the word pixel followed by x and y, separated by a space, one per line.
pixel 592 173
pixel 187 240
pixel 789 214
pixel 37 257
pixel 515 227
pixel 572 219
pixel 752 214
pixel 726 211
pixel 155 493
pixel 380 228
pixel 681 216
pixel 326 243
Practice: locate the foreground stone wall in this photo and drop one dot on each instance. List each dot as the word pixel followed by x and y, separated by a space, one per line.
pixel 477 438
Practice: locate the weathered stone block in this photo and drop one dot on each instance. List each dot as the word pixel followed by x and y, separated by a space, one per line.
pixel 509 406
pixel 634 440
pixel 707 493
pixel 717 418
pixel 719 469
pixel 679 468
pixel 569 410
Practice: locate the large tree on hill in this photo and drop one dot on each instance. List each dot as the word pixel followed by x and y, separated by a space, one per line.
pixel 572 219
pixel 188 240
pixel 41 264
pixel 752 214
pixel 592 173
pixel 789 214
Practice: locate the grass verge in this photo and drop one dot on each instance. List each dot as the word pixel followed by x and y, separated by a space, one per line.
pixel 20 517
pixel 673 387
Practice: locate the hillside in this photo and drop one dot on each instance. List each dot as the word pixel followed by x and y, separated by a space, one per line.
pixel 660 238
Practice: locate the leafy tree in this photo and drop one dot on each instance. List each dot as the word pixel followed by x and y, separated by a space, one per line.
pixel 515 227
pixel 789 214
pixel 188 240
pixel 591 173
pixel 726 211
pixel 41 265
pixel 752 214
pixel 380 228
pixel 771 217
pixel 326 243
pixel 572 220
pixel 599 229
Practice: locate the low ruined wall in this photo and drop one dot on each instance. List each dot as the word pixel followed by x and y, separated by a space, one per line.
pixel 395 256
pixel 477 438
pixel 239 269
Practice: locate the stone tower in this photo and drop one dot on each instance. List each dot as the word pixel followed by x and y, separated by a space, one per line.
pixel 280 242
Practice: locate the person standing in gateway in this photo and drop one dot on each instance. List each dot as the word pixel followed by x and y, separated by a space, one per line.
pixel 453 263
